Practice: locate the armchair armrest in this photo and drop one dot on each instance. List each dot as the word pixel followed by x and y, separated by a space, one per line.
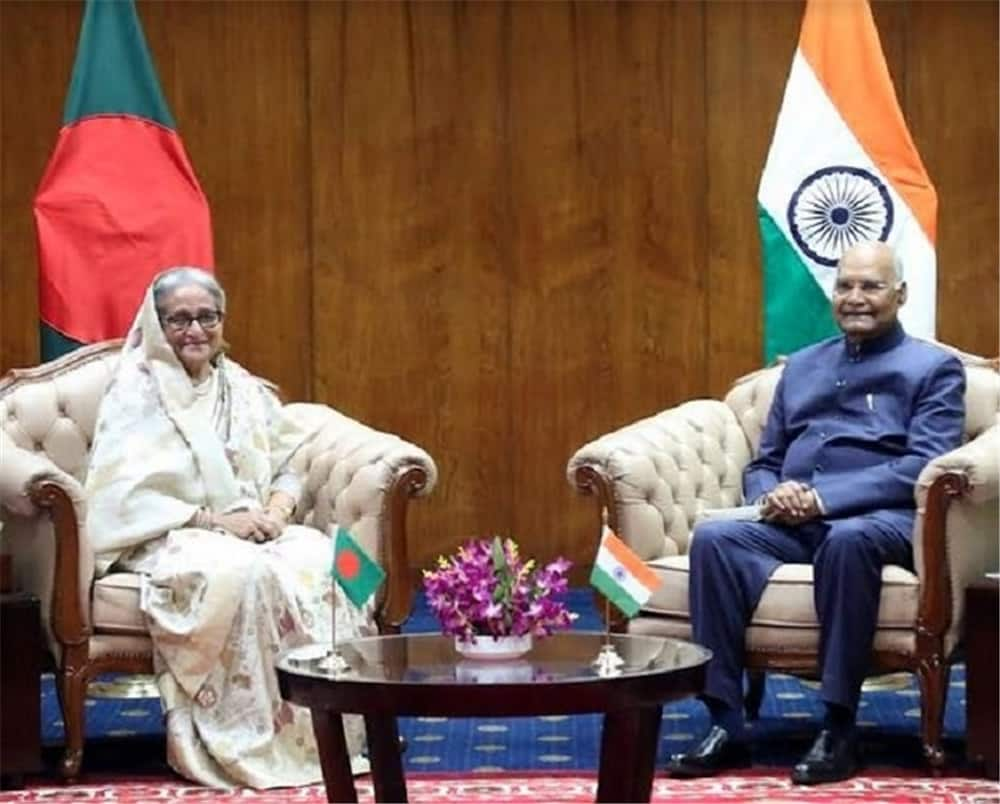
pixel 955 532
pixel 655 476
pixel 978 462
pixel 20 468
pixel 363 479
pixel 31 485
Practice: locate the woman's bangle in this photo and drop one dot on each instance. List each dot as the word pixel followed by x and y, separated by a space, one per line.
pixel 284 511
pixel 203 519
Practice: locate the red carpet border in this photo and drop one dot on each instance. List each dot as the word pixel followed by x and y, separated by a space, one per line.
pixel 755 786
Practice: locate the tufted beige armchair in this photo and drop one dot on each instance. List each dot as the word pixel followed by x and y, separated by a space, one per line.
pixel 657 476
pixel 353 475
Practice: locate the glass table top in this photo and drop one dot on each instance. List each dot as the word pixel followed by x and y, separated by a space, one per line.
pixel 565 657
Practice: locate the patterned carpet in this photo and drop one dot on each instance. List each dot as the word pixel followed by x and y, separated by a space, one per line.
pixel 557 788
pixel 791 713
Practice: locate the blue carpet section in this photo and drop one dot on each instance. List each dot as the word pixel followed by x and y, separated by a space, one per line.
pixel 790 715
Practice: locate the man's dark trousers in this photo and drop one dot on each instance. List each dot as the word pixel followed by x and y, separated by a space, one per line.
pixel 731 562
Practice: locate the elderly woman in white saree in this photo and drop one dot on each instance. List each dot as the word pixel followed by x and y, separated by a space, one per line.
pixel 189 484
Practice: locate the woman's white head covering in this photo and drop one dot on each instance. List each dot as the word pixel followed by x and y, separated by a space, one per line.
pixel 156 460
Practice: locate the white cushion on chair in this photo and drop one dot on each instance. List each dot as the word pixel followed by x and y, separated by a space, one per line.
pixel 788 598
pixel 773 639
pixel 116 605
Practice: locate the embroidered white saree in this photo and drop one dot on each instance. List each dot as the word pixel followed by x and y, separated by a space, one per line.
pixel 219 609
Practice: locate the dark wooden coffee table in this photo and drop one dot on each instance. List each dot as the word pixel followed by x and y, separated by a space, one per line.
pixel 422 674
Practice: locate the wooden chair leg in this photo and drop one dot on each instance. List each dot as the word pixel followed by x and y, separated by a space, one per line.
pixel 932 675
pixel 755 693
pixel 72 686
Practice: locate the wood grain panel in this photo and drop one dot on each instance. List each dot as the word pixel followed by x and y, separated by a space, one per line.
pixel 952 75
pixel 564 146
pixel 892 20
pixel 235 78
pixel 37 45
pixel 410 232
pixel 662 358
pixel 607 158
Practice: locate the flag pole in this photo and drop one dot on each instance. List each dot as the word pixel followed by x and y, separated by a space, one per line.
pixel 607 621
pixel 608 662
pixel 333 662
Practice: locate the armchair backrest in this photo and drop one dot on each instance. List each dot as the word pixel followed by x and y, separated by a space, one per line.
pixel 52 409
pixel 750 396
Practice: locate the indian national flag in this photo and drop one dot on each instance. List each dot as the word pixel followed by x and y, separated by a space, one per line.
pixel 842 168
pixel 620 575
pixel 356 573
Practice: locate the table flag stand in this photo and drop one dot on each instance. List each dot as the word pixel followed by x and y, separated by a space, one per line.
pixel 333 662
pixel 608 662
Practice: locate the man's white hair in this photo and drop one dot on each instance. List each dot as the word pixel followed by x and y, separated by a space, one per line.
pixel 897 261
pixel 897 267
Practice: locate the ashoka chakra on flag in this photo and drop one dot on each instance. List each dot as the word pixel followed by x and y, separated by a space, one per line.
pixel 836 207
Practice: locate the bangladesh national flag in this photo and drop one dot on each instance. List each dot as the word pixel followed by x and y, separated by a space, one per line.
pixel 842 168
pixel 119 200
pixel 621 576
pixel 356 573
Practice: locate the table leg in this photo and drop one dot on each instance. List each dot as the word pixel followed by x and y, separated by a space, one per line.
pixel 387 761
pixel 981 684
pixel 12 781
pixel 629 739
pixel 336 764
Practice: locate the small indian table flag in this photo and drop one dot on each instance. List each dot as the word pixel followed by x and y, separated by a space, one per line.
pixel 621 576
pixel 356 573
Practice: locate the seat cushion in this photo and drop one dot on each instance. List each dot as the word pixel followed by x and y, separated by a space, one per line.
pixel 773 640
pixel 116 605
pixel 788 597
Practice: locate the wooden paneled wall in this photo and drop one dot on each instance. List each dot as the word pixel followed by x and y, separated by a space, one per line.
pixel 501 229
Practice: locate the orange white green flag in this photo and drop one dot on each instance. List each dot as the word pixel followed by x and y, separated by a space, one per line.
pixel 356 573
pixel 842 168
pixel 621 576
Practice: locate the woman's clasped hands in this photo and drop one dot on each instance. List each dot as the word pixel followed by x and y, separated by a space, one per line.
pixel 255 526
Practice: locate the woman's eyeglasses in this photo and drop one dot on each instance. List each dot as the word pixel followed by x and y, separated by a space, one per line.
pixel 180 322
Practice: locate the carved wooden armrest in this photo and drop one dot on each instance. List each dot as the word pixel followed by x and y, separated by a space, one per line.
pixel 967 476
pixel 61 497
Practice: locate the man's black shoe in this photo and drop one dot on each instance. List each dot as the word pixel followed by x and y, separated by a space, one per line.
pixel 716 753
pixel 831 759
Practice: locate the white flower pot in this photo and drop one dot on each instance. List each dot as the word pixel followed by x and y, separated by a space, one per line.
pixel 493 648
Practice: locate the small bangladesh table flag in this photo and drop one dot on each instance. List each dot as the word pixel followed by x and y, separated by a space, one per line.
pixel 621 576
pixel 356 573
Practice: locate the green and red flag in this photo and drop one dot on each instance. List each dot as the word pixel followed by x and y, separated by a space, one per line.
pixel 356 573
pixel 119 200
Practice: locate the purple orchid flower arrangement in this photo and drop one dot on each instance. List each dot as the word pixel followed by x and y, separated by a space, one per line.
pixel 486 589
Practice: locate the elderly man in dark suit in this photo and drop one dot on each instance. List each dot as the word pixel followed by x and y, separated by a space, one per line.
pixel 854 420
